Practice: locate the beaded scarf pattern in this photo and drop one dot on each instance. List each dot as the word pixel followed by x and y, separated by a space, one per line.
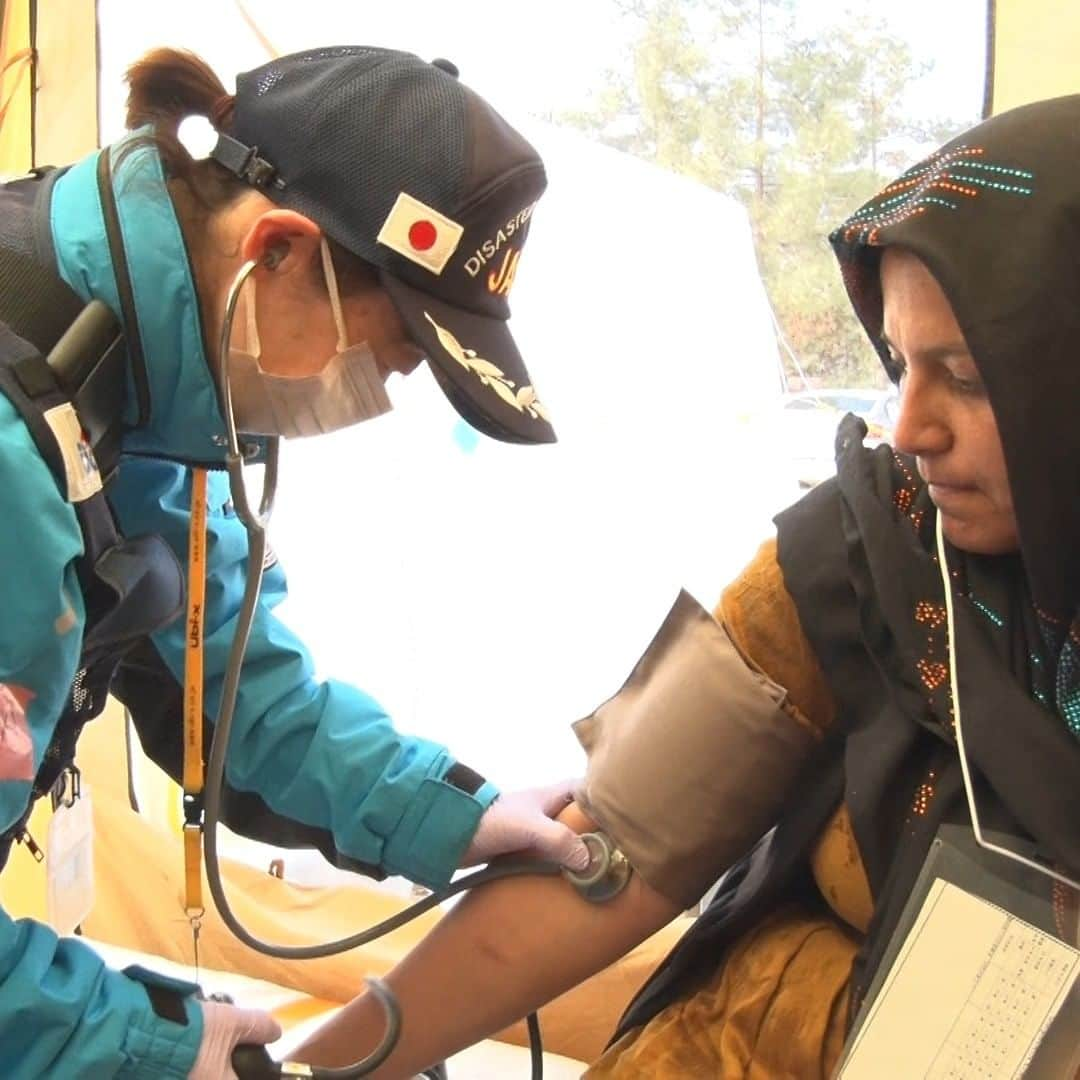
pixel 943 181
pixel 1055 666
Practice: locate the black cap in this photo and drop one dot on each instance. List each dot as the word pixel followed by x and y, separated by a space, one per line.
pixel 403 165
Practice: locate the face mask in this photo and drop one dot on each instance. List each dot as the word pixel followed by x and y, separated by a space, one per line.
pixel 349 388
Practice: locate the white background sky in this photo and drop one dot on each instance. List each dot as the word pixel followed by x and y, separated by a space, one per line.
pixel 525 57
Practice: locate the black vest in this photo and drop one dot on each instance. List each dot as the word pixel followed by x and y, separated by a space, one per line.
pixel 54 349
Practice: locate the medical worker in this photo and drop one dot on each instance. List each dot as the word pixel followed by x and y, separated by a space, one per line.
pixel 365 212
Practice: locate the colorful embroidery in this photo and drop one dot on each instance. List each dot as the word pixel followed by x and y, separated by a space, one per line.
pixel 943 180
pixel 1060 685
pixel 1068 683
pixel 989 612
pixel 923 795
pixel 524 399
pixel 904 496
pixel 933 673
pixel 929 614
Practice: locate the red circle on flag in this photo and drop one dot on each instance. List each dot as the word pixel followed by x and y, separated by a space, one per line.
pixel 422 235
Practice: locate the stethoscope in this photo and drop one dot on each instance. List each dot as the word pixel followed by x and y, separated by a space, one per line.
pixel 604 878
pixel 958 728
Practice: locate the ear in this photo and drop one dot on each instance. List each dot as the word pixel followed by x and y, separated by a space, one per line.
pixel 281 241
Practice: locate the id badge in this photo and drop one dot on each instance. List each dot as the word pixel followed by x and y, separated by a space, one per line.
pixel 69 862
pixel 981 977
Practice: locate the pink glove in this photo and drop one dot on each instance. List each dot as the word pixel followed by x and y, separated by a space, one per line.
pixel 522 822
pixel 224 1028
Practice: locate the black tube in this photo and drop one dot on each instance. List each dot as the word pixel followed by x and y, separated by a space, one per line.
pixel 253 1062
pixel 536 1046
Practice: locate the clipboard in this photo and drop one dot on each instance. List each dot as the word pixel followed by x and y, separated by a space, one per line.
pixel 977 980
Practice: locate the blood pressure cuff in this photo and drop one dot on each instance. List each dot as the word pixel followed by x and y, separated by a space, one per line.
pixel 690 762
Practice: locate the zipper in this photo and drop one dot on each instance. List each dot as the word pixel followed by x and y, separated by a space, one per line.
pixel 24 837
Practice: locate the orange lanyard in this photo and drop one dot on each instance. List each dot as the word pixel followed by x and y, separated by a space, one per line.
pixel 193 706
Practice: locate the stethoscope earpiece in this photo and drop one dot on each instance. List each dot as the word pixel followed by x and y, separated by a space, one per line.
pixel 273 258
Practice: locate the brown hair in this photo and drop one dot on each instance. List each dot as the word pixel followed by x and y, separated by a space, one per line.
pixel 167 86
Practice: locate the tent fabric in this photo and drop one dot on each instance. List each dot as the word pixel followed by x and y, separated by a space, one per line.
pixel 1031 52
pixel 16 85
pixel 48 83
pixel 1031 45
pixel 66 108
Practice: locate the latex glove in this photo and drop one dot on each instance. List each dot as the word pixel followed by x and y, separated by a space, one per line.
pixel 224 1028
pixel 522 822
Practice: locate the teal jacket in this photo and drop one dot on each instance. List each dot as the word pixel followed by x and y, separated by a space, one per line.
pixel 311 762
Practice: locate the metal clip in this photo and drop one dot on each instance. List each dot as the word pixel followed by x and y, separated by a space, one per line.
pixel 26 839
pixel 57 795
pixel 244 161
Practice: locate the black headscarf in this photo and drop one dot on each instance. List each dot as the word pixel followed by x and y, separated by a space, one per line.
pixel 995 216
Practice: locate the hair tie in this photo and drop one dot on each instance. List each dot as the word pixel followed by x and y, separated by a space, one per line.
pixel 221 111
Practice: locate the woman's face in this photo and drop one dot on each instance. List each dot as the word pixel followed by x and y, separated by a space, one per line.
pixel 296 327
pixel 945 417
pixel 298 334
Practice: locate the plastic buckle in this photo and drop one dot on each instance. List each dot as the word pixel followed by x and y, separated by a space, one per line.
pixel 193 810
pixel 57 794
pixel 244 161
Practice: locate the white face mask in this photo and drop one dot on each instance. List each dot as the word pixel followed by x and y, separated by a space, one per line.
pixel 349 388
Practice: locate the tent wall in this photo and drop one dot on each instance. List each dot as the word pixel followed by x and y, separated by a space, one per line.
pixel 1033 45
pixel 1031 50
pixel 66 110
pixel 49 86
pixel 16 85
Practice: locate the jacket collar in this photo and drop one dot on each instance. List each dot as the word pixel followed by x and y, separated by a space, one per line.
pixel 185 419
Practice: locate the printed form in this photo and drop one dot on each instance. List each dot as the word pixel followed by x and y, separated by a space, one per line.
pixel 970 995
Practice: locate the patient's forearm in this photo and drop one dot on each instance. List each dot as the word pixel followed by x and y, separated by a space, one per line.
pixel 507 948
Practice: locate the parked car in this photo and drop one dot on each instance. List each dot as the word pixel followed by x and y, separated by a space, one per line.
pixel 809 419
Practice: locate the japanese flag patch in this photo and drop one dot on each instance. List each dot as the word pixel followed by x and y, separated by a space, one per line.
pixel 421 234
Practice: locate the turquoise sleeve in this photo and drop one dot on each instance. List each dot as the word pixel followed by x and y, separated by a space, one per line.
pixel 64 1013
pixel 322 753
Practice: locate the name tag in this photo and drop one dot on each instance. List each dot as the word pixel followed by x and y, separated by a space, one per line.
pixel 69 863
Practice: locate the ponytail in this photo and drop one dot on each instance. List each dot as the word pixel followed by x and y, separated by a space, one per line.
pixel 166 87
